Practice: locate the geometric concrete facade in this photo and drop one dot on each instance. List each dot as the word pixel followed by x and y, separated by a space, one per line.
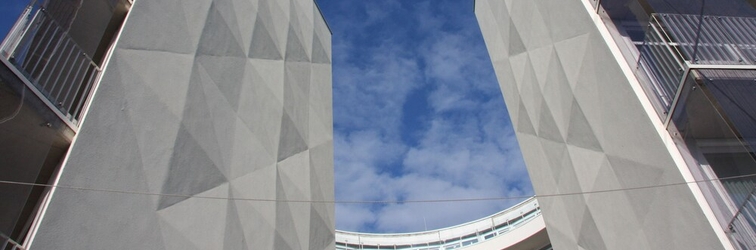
pixel 204 98
pixel 584 127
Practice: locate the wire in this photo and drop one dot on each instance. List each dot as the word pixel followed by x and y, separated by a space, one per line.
pixel 18 109
pixel 369 201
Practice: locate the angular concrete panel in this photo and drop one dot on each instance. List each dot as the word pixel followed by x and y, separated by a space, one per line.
pixel 582 128
pixel 203 117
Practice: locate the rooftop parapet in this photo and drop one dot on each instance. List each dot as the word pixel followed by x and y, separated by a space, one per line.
pixel 501 224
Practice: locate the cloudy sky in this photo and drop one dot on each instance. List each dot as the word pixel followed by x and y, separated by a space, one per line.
pixel 418 115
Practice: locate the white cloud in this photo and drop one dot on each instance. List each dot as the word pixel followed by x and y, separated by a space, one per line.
pixel 466 149
pixel 373 94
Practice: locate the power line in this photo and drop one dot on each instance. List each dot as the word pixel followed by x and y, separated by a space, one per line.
pixel 367 201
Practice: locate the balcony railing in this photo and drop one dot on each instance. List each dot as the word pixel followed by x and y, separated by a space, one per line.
pixel 677 43
pixel 743 224
pixel 59 70
pixel 464 235
pixel 681 53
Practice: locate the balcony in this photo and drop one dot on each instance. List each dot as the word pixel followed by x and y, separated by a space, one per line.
pixel 702 69
pixel 49 65
pixel 697 64
pixel 59 71
pixel 675 44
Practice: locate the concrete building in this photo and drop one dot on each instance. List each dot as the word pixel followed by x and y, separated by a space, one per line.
pixel 520 227
pixel 635 117
pixel 167 125
pixel 202 124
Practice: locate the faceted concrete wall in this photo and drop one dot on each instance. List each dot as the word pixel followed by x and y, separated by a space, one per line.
pixel 205 98
pixel 582 128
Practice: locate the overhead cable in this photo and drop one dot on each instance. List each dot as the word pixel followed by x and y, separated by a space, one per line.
pixel 369 201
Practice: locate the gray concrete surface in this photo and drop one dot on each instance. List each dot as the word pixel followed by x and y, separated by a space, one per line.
pixel 581 128
pixel 220 98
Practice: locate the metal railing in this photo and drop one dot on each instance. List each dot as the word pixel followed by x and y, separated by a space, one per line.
pixel 742 226
pixel 676 43
pixel 677 47
pixel 673 55
pixel 662 62
pixel 8 244
pixel 720 40
pixel 455 237
pixel 50 59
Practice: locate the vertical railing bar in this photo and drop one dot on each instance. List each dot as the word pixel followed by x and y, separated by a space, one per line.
pixel 751 194
pixel 75 81
pixel 83 70
pixel 85 81
pixel 668 76
pixel 660 64
pixel 665 37
pixel 43 52
pixel 675 28
pixel 726 44
pixel 56 90
pixel 39 24
pixel 679 27
pixel 62 66
pixel 678 94
pixel 726 40
pixel 692 34
pixel 738 39
pixel 85 95
pixel 13 37
pixel 52 53
pixel 68 81
pixel 71 67
pixel 656 52
pixel 671 64
pixel 32 50
pixel 732 29
pixel 82 101
pixel 674 70
pixel 708 46
pixel 32 28
pixel 749 39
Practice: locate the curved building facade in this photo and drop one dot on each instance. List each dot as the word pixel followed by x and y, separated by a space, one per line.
pixel 519 227
pixel 137 124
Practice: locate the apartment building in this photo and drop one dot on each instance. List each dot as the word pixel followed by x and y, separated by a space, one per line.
pixel 635 117
pixel 166 125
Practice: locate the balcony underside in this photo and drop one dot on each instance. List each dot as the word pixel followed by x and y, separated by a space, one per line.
pixel 34 140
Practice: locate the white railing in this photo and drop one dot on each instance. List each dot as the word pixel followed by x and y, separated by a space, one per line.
pixel 677 43
pixel 51 61
pixel 743 224
pixel 454 237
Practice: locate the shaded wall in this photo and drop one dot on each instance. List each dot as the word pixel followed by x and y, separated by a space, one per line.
pixel 208 98
pixel 582 129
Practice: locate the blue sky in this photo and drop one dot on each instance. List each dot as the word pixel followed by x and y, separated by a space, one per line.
pixel 418 114
pixel 9 12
